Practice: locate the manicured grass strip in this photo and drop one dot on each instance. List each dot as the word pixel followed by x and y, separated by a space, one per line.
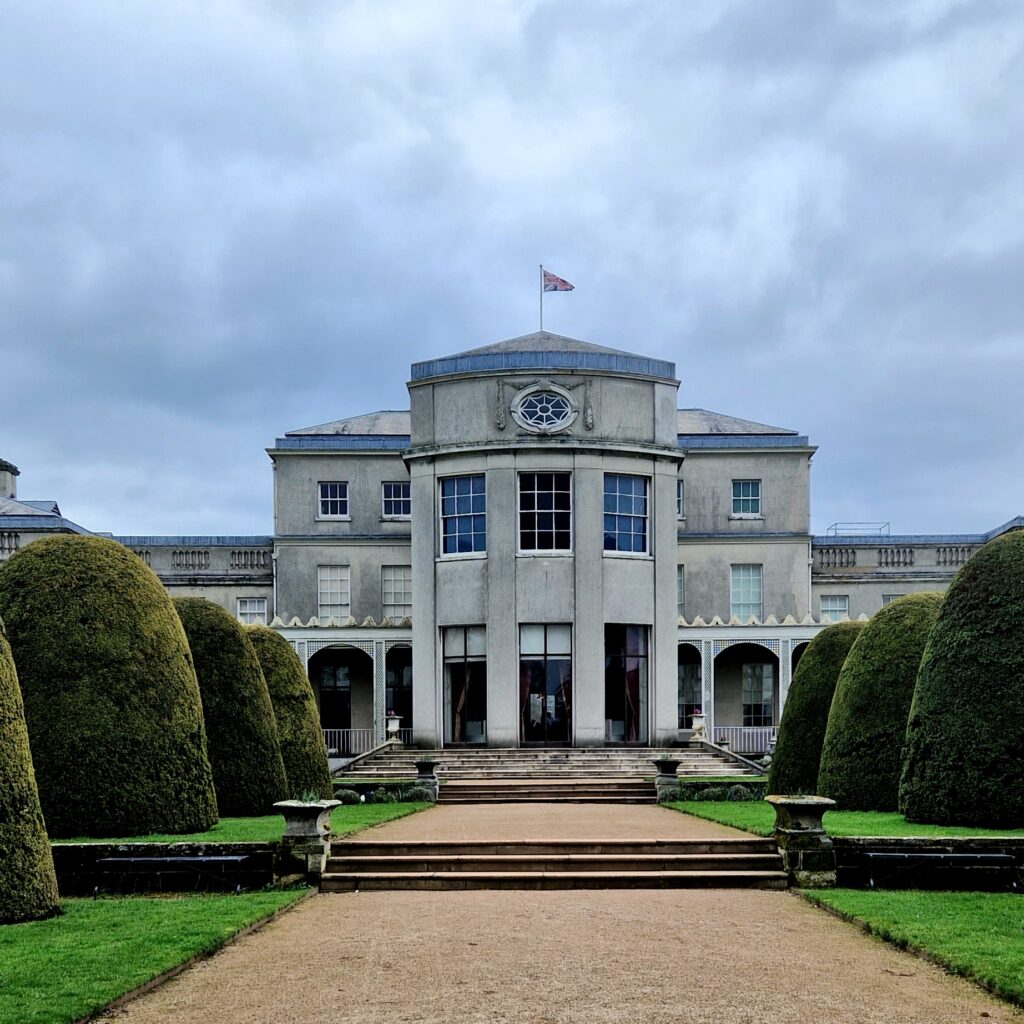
pixel 61 969
pixel 344 821
pixel 748 816
pixel 759 818
pixel 979 935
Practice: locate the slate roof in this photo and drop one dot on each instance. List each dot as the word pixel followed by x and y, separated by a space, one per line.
pixel 386 423
pixel 703 421
pixel 541 341
pixel 14 507
pixel 396 423
pixel 543 350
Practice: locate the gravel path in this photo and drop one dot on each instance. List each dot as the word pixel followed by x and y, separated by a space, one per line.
pixel 577 957
pixel 549 821
pixel 651 956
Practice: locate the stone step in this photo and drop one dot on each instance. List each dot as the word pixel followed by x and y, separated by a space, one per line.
pixel 532 863
pixel 446 880
pixel 508 847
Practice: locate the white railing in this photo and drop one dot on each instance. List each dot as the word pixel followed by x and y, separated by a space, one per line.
pixel 349 742
pixel 746 739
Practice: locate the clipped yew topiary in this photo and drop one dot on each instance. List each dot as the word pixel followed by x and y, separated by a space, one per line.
pixel 861 757
pixel 111 702
pixel 298 722
pixel 241 731
pixel 965 736
pixel 28 884
pixel 797 756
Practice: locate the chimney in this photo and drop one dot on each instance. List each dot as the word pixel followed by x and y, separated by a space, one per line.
pixel 8 480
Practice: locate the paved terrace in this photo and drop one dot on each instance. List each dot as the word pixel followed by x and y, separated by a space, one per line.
pixel 605 957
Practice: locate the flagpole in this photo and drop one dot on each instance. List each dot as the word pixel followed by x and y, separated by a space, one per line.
pixel 542 297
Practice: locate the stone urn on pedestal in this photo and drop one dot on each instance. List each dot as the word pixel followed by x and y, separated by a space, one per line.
pixel 698 721
pixel 426 775
pixel 666 781
pixel 306 842
pixel 393 723
pixel 807 852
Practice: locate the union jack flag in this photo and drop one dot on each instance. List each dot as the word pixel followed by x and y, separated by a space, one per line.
pixel 553 283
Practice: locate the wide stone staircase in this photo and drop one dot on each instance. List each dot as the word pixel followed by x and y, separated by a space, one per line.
pixel 590 774
pixel 566 864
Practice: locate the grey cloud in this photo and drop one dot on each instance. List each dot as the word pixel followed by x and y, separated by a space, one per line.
pixel 220 223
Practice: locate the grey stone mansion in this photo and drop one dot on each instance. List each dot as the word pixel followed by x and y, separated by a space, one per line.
pixel 543 549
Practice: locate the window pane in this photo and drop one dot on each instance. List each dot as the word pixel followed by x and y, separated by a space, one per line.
pixel 531 639
pixel 333 592
pixel 746 497
pixel 746 592
pixel 454 642
pixel 625 520
pixel 396 499
pixel 463 515
pixel 476 641
pixel 333 498
pixel 834 607
pixel 559 639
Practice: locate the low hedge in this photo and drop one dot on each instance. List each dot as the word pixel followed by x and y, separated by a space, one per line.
pixel 965 736
pixel 797 756
pixel 861 757
pixel 748 789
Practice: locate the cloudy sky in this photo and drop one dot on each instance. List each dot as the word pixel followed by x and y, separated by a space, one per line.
pixel 221 221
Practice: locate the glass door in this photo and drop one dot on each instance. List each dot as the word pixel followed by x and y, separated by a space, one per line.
pixel 625 684
pixel 545 685
pixel 465 685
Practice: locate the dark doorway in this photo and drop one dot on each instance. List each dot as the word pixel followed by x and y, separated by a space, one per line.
pixel 545 684
pixel 625 683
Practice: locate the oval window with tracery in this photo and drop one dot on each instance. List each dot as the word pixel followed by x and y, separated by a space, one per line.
pixel 545 410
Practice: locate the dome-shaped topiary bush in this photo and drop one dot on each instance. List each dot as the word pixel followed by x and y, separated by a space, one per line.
pixel 797 756
pixel 965 735
pixel 298 722
pixel 28 885
pixel 111 702
pixel 861 757
pixel 241 732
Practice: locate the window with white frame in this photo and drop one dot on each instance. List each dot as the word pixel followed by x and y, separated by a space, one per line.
pixel 333 592
pixel 396 590
pixel 746 497
pixel 545 511
pixel 680 513
pixel 888 598
pixel 758 694
pixel 463 514
pixel 625 513
pixel 746 594
pixel 834 607
pixel 396 499
pixel 680 589
pixel 333 499
pixel 251 610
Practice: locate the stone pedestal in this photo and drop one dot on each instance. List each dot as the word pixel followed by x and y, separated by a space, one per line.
pixel 426 776
pixel 807 852
pixel 306 842
pixel 666 781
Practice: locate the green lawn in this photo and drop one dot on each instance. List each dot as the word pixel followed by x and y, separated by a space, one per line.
pixel 63 968
pixel 977 934
pixel 758 817
pixel 344 821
